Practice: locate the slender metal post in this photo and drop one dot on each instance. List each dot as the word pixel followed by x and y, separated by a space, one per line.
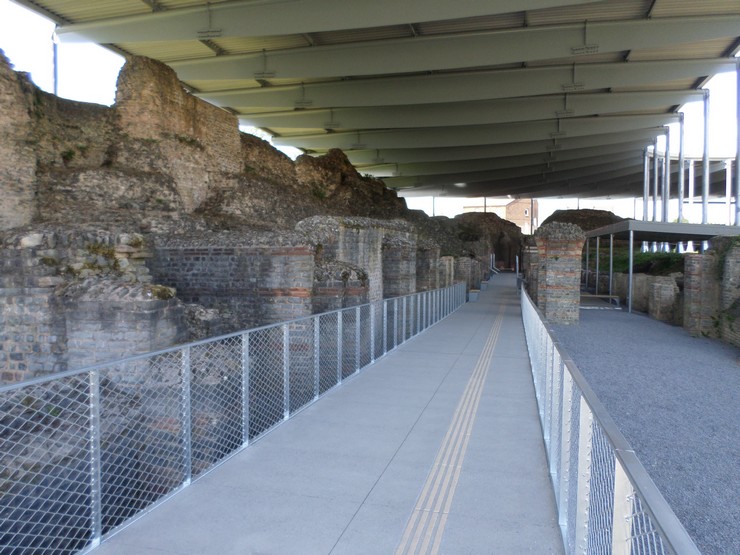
pixel 692 188
pixel 286 372
pixel 316 356
pixel 588 248
pixel 645 184
pixel 705 162
pixel 385 326
pixel 403 320
pixel 96 485
pixel 372 332
pixel 340 340
pixel 728 190
pixel 611 263
pixel 245 389
pixel 655 180
pixel 631 258
pixel 358 363
pixel 566 429
pixel 681 169
pixel 583 502
pixel 737 153
pixel 596 287
pixel 621 525
pixel 186 418
pixel 55 62
pixel 667 175
pixel 395 322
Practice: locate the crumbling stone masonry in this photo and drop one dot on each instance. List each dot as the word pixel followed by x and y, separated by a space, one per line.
pixel 559 248
pixel 712 292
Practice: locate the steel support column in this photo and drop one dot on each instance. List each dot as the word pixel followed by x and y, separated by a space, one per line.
pixel 737 154
pixel 667 175
pixel 655 180
pixel 645 185
pixel 680 167
pixel 705 163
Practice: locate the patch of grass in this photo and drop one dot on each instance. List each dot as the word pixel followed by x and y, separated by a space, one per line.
pixel 652 263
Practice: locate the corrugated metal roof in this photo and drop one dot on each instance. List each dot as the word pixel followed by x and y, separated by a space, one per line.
pixel 472 24
pixel 246 45
pixel 611 10
pixel 169 51
pixel 684 8
pixel 78 12
pixel 689 51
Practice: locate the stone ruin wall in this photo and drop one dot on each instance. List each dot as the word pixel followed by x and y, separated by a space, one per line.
pixel 155 221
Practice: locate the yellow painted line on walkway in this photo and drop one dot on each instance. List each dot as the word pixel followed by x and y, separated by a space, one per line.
pixel 423 533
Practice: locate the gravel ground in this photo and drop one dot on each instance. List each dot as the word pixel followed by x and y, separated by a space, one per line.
pixel 676 399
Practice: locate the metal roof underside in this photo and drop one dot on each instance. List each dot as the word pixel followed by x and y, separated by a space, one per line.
pixel 455 97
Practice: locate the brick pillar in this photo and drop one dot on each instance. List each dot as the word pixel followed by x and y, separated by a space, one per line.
pixel 701 291
pixel 530 264
pixel 559 248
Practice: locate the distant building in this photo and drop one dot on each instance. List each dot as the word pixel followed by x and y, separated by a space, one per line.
pixel 521 211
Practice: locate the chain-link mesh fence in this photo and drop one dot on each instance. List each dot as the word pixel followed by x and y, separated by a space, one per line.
pixel 83 452
pixel 600 487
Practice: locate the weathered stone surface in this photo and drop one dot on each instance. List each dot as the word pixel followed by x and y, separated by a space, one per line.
pixel 585 218
pixel 559 247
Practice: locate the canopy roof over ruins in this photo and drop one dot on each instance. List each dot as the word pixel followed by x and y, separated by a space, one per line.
pixel 457 97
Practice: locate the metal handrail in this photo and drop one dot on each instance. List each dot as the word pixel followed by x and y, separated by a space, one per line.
pixel 101 446
pixel 639 512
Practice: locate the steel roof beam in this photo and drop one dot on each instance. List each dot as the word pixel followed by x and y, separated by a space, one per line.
pixel 495 163
pixel 640 137
pixel 542 168
pixel 266 18
pixel 472 113
pixel 446 52
pixel 464 87
pixel 476 134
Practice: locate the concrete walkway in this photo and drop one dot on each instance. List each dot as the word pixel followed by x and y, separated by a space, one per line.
pixel 435 448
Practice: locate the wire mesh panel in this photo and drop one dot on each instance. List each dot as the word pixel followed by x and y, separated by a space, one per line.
pixel 302 367
pixel 366 335
pixel 215 402
pixel 328 351
pixel 266 380
pixel 398 320
pixel 45 463
pixel 601 493
pixel 646 539
pixel 378 324
pixel 142 446
pixel 572 476
pixel 390 331
pixel 349 342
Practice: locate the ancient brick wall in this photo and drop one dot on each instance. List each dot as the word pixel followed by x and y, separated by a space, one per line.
pixel 133 322
pixel 256 284
pixel 446 267
pixel 338 285
pixel 559 248
pixel 17 159
pixel 399 264
pixel 427 268
pixel 463 271
pixel 664 300
pixel 701 294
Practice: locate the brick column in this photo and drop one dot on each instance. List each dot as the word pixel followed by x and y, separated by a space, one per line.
pixel 559 248
pixel 702 295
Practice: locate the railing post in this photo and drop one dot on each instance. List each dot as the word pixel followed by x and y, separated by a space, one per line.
pixel 622 522
pixel 186 418
pixel 245 389
pixel 585 438
pixel 385 326
pixel 395 322
pixel 95 464
pixel 565 440
pixel 286 372
pixel 340 353
pixel 357 339
pixel 372 333
pixel 316 356
pixel 404 336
